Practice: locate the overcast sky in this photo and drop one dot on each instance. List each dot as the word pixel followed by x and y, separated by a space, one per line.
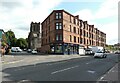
pixel 18 14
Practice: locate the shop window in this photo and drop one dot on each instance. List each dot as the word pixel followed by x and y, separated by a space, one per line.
pixel 58 49
pixel 52 48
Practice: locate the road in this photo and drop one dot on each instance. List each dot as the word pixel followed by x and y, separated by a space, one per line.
pixel 80 69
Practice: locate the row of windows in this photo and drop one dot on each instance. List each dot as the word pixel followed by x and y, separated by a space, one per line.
pixel 58 26
pixel 57 16
pixel 75 21
pixel 85 34
pixel 74 30
pixel 59 37
pixel 82 40
pixel 75 39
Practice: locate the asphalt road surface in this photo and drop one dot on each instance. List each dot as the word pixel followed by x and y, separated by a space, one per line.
pixel 80 69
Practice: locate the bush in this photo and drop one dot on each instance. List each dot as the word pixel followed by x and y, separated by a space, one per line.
pixel 3 44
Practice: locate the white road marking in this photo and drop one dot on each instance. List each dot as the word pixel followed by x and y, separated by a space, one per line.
pixel 55 63
pixel 23 81
pixel 111 69
pixel 101 79
pixel 90 71
pixel 64 69
pixel 19 69
pixel 88 63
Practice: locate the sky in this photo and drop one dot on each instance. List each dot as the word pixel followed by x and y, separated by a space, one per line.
pixel 16 15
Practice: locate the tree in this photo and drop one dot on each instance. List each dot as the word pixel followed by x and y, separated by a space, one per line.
pixel 27 40
pixel 22 43
pixel 110 47
pixel 13 42
pixel 11 37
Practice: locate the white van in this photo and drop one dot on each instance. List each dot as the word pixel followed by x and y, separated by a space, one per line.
pixel 16 49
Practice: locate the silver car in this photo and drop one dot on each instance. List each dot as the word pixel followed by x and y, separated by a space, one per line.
pixel 100 54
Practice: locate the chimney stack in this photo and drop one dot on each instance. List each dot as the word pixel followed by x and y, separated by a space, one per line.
pixel 77 16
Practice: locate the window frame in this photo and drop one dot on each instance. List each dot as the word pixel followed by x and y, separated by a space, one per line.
pixel 74 38
pixel 58 15
pixel 70 38
pixel 58 26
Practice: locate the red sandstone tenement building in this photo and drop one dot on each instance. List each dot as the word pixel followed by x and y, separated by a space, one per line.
pixel 64 33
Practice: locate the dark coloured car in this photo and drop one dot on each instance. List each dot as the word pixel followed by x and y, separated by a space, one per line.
pixel 29 50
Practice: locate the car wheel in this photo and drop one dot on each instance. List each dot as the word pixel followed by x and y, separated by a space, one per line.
pixel 102 56
pixel 105 56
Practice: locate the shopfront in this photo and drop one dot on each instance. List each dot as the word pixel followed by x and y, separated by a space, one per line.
pixel 64 48
pixel 71 48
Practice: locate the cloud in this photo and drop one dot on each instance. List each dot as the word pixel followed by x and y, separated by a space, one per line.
pixel 85 14
pixel 111 31
pixel 109 8
pixel 107 11
pixel 18 14
pixel 10 4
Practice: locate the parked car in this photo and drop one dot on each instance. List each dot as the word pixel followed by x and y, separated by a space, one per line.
pixel 29 50
pixel 25 49
pixel 16 49
pixel 88 51
pixel 117 52
pixel 34 52
pixel 100 54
